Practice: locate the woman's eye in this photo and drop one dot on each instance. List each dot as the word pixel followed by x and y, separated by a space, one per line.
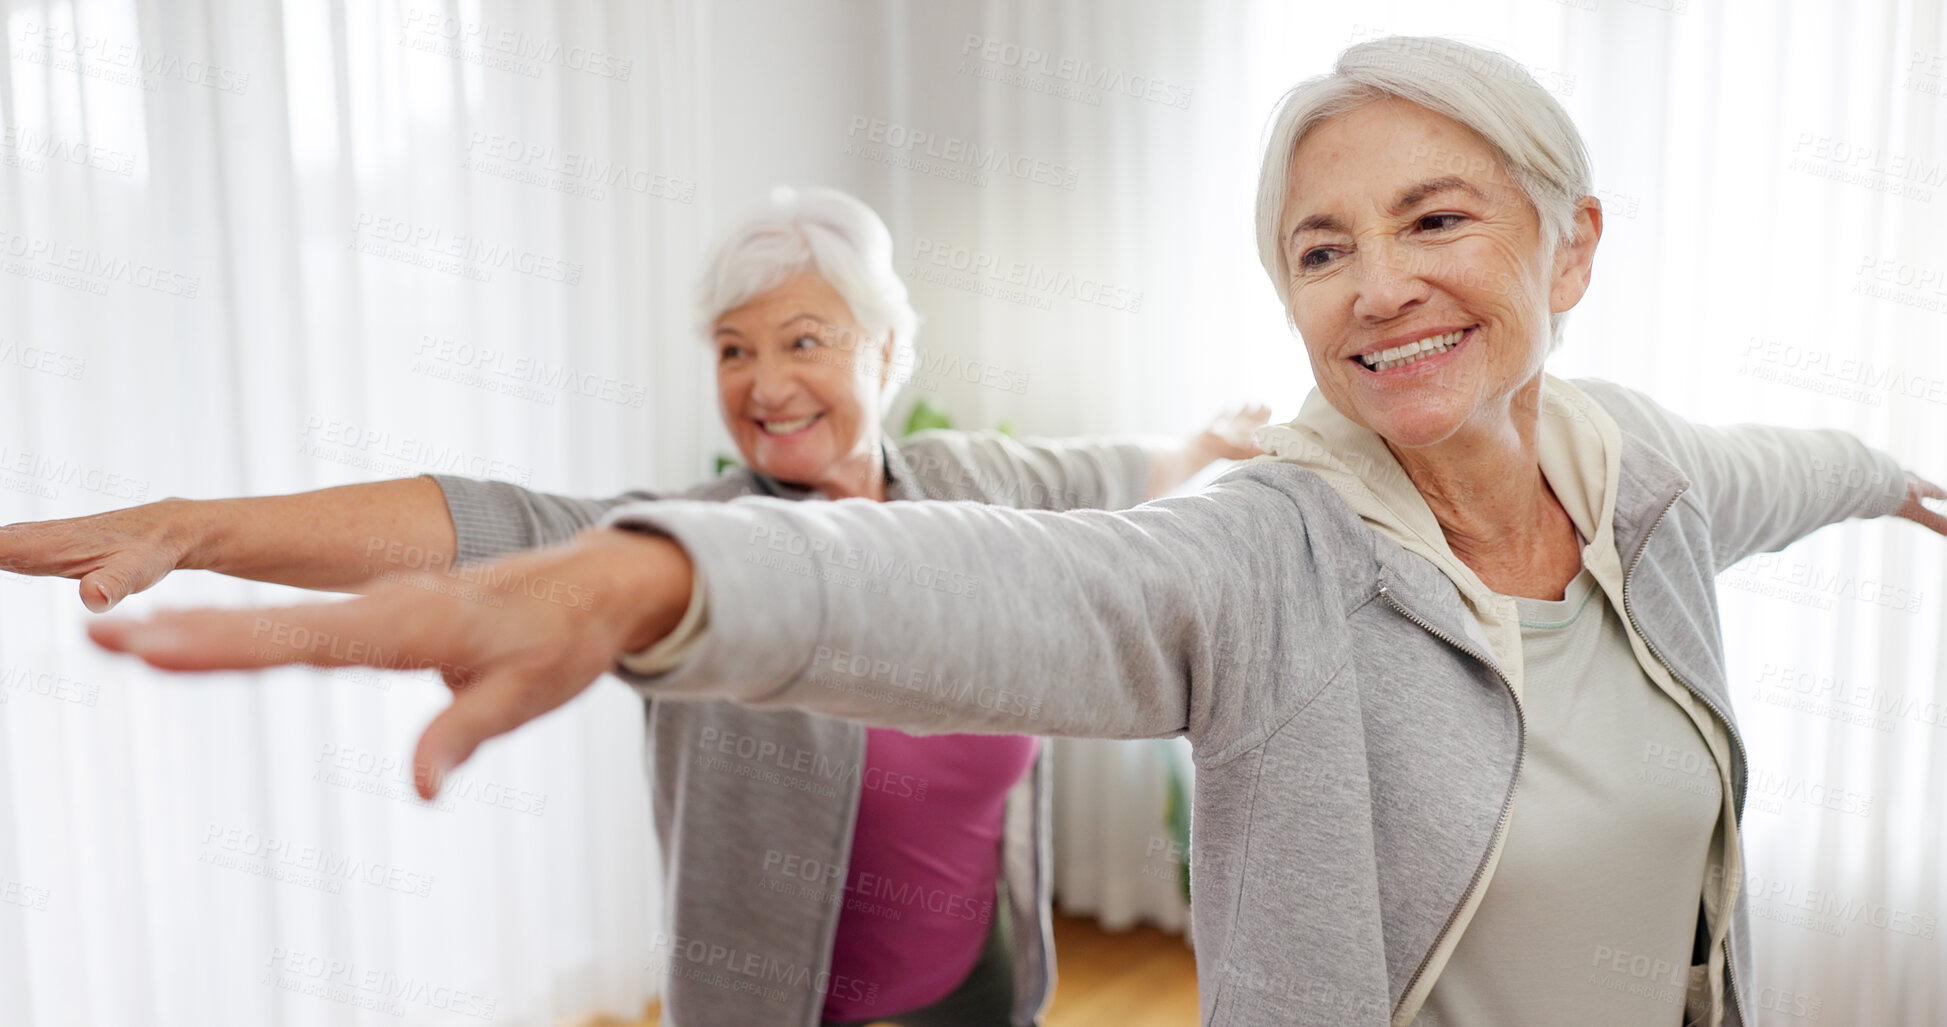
pixel 805 342
pixel 1314 258
pixel 729 353
pixel 1441 222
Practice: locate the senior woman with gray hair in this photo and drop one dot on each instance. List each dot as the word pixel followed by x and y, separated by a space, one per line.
pixel 1419 649
pixel 865 864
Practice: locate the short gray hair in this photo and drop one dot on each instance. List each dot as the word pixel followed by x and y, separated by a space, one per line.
pixel 832 234
pixel 1490 93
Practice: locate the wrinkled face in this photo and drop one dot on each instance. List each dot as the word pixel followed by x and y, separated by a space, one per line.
pixel 799 384
pixel 1419 278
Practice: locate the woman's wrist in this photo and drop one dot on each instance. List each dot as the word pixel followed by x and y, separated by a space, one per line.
pixel 189 528
pixel 644 586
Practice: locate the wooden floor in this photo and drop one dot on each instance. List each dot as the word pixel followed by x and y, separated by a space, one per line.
pixel 1139 978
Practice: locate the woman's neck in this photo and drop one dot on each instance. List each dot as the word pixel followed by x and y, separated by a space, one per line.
pixel 1497 511
pixel 858 476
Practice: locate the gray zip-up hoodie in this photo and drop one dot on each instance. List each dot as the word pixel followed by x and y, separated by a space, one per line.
pixel 744 799
pixel 1352 704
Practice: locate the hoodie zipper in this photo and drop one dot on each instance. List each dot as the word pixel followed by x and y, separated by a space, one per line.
pixel 1730 965
pixel 1507 804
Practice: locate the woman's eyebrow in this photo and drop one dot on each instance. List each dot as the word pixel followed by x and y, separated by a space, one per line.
pixel 795 318
pixel 1410 196
pixel 1413 194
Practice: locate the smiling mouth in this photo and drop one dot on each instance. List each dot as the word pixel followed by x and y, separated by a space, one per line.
pixel 788 427
pixel 1412 352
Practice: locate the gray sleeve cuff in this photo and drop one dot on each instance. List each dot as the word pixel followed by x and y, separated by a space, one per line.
pixel 725 543
pixel 486 518
pixel 675 647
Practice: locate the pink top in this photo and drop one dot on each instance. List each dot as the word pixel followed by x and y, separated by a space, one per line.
pixel 926 856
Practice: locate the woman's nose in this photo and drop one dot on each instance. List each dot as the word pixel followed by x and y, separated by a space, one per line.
pixel 773 382
pixel 1390 281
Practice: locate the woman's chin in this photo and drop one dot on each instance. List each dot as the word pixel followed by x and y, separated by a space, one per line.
pixel 786 462
pixel 1427 425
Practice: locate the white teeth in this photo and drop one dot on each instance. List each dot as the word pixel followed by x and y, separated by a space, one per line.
pixel 786 427
pixel 1412 351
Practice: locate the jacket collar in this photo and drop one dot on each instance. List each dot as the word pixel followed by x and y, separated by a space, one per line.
pixel 1583 455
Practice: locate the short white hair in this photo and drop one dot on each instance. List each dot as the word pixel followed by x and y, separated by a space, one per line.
pixel 825 232
pixel 1488 92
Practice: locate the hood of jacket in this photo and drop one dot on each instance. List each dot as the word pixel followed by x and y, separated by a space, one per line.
pixel 1580 450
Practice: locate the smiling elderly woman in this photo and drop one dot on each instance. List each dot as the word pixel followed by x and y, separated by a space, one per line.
pixel 1419 649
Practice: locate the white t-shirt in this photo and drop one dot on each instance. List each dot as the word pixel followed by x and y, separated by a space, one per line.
pixel 1592 912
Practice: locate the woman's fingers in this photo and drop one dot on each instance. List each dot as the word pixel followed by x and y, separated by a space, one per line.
pixel 494 705
pixel 531 637
pixel 122 576
pixel 334 634
pixel 1926 504
pixel 115 554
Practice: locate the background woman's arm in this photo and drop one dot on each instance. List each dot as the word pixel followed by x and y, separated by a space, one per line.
pixel 1227 438
pixel 334 539
pixel 331 539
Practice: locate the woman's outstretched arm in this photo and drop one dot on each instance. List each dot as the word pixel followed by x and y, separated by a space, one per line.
pixel 928 616
pixel 332 539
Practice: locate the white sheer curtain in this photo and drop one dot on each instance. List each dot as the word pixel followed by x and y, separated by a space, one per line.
pixel 1069 190
pixel 254 249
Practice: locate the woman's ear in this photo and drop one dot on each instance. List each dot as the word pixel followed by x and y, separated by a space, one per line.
pixel 1575 259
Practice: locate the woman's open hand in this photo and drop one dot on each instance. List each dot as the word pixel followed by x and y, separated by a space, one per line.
pixel 115 554
pixel 513 639
pixel 1918 492
pixel 1229 434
